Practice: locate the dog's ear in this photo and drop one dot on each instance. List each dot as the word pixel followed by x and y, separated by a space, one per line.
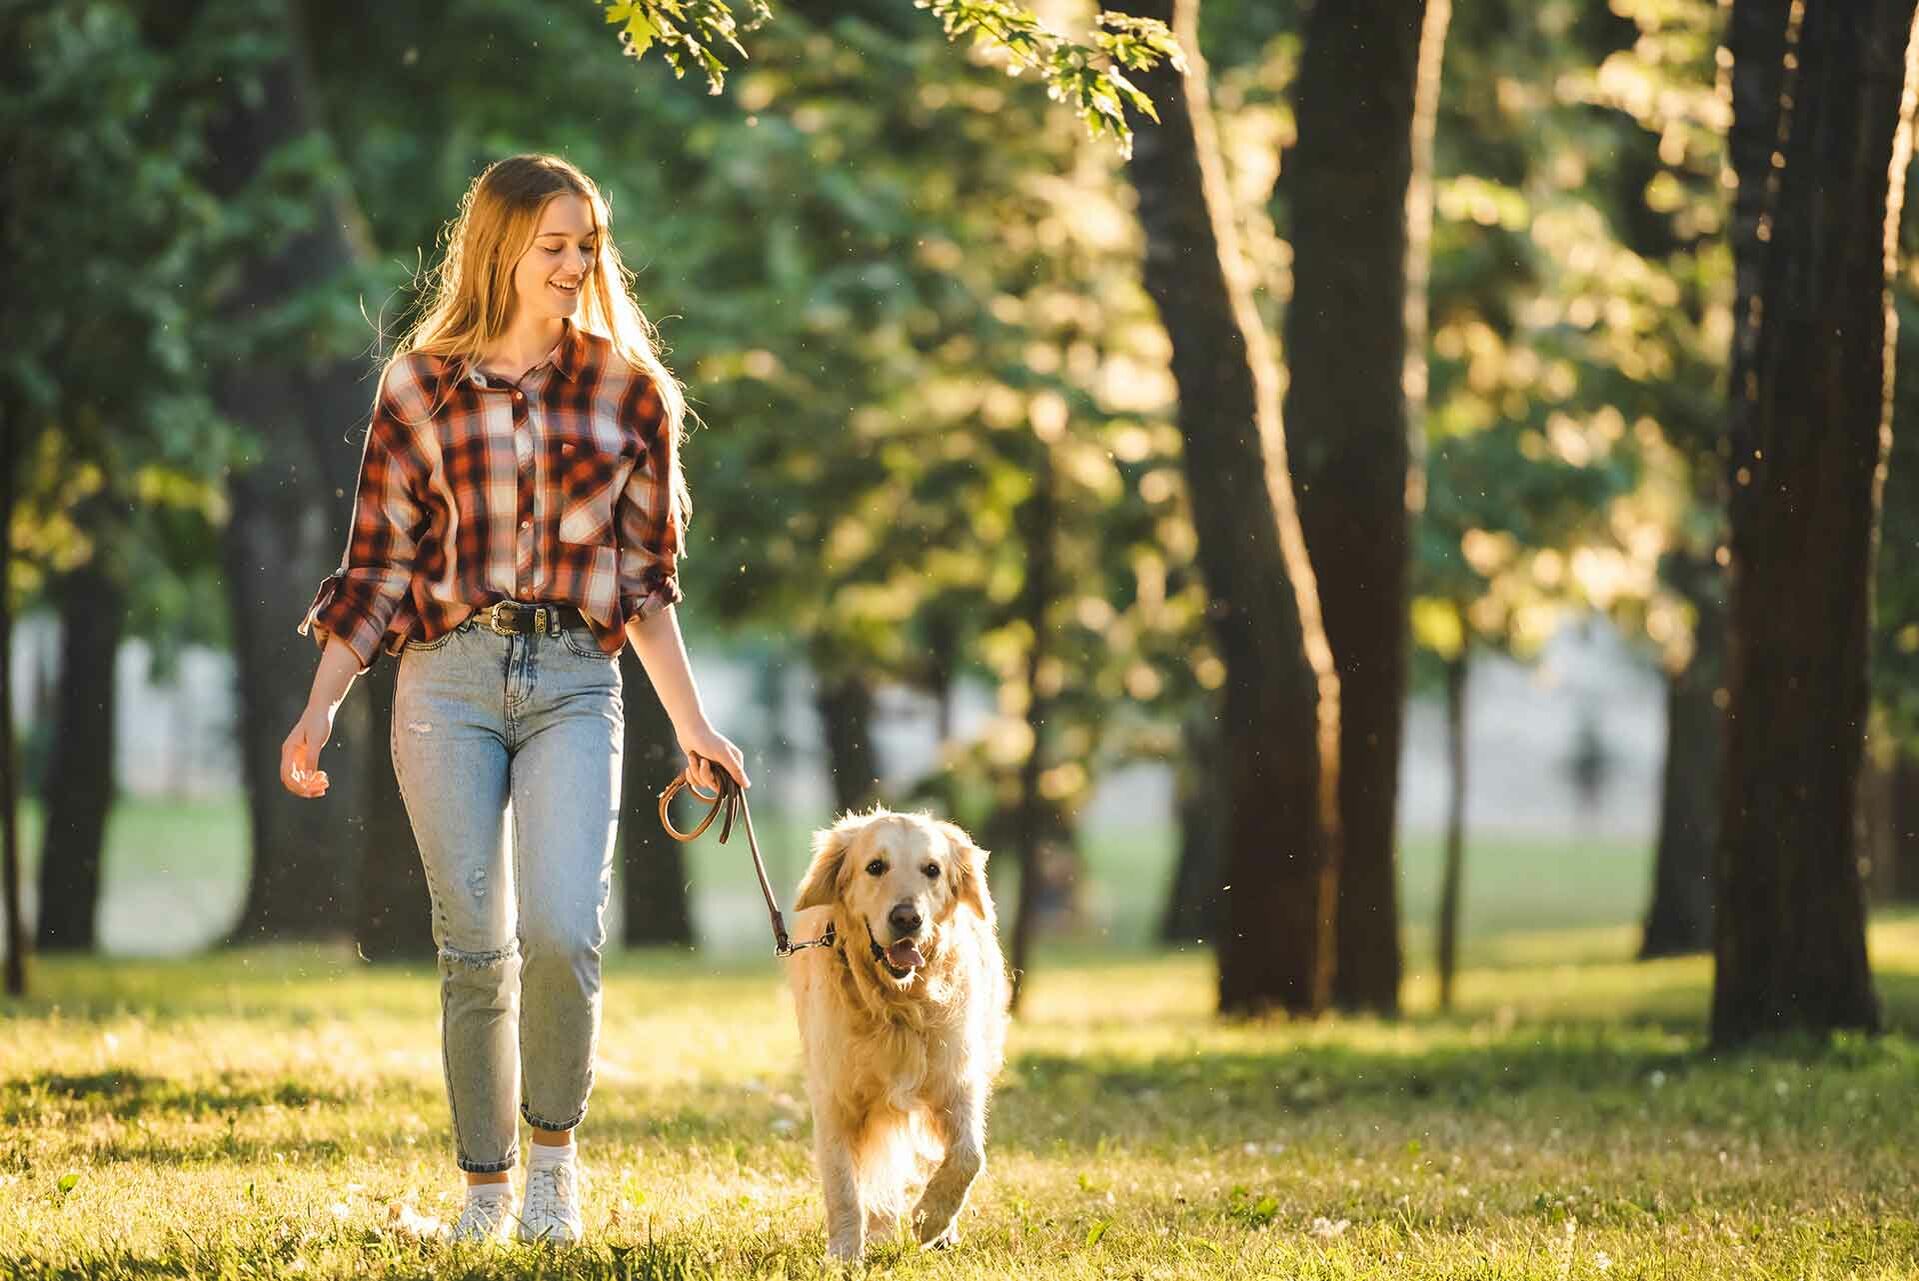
pixel 820 886
pixel 969 873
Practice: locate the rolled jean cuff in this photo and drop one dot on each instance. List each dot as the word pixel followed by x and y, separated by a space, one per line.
pixel 490 1167
pixel 539 1124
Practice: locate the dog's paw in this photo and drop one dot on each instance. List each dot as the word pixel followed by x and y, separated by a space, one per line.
pixel 845 1250
pixel 946 1240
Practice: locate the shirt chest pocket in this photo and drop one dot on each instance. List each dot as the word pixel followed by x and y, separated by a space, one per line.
pixel 588 479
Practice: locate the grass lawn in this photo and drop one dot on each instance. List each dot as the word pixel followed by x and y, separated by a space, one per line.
pixel 271 1112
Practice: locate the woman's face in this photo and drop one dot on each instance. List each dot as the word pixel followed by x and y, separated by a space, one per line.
pixel 549 276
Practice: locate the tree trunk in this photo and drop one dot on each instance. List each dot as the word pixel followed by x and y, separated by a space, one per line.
pixel 1810 418
pixel 1455 866
pixel 653 882
pixel 1348 428
pixel 1281 699
pixel 845 703
pixel 1679 920
pixel 1039 523
pixel 11 448
pixel 1192 907
pixel 79 784
pixel 290 511
pixel 1874 824
pixel 395 917
pixel 1905 828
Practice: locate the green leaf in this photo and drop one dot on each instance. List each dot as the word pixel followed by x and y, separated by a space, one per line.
pixel 1097 1231
pixel 67 1182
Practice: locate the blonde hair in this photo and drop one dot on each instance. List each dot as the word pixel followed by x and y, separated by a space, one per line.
pixel 468 298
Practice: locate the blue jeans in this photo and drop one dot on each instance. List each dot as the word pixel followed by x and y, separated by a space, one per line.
pixel 507 750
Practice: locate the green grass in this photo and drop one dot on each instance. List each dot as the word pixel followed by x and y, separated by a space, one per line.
pixel 263 1113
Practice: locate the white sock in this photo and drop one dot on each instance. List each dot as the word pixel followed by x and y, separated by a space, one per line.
pixel 544 1156
pixel 489 1191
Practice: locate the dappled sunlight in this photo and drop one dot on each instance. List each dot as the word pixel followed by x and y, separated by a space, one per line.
pixel 1558 1093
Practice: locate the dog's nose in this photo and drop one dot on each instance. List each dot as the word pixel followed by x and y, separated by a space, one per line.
pixel 904 920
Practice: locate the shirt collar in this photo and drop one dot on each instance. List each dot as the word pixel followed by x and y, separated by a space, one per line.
pixel 570 355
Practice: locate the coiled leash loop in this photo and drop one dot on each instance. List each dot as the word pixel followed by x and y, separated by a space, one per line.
pixel 730 800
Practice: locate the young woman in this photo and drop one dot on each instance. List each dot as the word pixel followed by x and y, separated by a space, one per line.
pixel 518 518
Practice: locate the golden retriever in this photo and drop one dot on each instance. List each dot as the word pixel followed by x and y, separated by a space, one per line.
pixel 903 1022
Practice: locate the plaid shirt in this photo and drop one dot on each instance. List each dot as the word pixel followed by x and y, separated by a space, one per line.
pixel 556 489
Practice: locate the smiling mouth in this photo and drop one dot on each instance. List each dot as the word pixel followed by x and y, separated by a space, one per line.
pixel 568 290
pixel 901 959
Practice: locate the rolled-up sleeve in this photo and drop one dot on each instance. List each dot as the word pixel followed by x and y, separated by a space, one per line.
pixel 648 518
pixel 358 602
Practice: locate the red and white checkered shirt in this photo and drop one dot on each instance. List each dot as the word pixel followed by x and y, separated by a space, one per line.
pixel 557 488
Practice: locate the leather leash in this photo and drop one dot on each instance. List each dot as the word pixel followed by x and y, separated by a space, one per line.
pixel 730 800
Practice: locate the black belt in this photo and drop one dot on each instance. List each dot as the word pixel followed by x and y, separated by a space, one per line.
pixel 511 617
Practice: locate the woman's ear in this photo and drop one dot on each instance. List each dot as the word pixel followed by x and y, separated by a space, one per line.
pixel 969 873
pixel 820 886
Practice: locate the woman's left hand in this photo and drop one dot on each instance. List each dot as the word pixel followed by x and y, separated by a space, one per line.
pixel 706 747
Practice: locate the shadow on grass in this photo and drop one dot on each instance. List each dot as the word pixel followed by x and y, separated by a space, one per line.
pixel 1584 1078
pixel 127 1095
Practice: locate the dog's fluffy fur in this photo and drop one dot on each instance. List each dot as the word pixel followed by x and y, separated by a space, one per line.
pixel 900 1057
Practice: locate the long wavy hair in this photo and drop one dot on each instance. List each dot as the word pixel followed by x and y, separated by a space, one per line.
pixel 468 297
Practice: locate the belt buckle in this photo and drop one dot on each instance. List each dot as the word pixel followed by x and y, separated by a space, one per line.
pixel 493 619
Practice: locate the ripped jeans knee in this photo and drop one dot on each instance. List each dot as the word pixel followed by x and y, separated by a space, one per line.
pixel 453 958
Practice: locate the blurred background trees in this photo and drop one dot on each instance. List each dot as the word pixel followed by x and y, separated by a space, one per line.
pixel 1004 427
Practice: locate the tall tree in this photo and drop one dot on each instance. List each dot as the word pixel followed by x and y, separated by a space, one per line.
pixel 1367 72
pixel 844 697
pixel 300 390
pixel 654 892
pixel 111 440
pixel 10 860
pixel 79 785
pixel 1679 917
pixel 1818 132
pixel 1038 521
pixel 1192 911
pixel 1282 694
pixel 392 919
pixel 1453 867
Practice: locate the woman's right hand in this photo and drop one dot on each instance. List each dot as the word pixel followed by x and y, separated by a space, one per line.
pixel 300 755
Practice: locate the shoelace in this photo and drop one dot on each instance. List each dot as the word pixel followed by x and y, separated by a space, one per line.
pixel 549 1192
pixel 482 1214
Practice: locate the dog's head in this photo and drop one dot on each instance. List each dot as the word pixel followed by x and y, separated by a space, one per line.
pixel 896 881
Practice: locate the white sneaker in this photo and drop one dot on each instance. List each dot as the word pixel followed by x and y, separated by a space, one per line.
pixel 551 1210
pixel 482 1219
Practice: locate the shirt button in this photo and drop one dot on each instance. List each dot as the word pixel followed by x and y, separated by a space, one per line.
pixel 518 398
pixel 527 523
pixel 526 593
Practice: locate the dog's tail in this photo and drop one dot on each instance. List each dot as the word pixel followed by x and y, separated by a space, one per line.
pixel 892 1161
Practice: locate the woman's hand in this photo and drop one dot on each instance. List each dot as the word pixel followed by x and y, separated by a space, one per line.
pixel 705 747
pixel 300 755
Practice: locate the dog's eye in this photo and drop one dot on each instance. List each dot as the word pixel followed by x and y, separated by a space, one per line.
pixel 875 868
pixel 932 871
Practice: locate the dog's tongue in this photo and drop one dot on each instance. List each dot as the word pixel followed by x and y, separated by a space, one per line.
pixel 904 956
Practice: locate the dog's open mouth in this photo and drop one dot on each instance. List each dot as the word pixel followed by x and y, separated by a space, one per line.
pixel 902 958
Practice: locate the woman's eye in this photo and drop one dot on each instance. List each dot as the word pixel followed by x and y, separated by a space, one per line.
pixel 932 871
pixel 875 868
